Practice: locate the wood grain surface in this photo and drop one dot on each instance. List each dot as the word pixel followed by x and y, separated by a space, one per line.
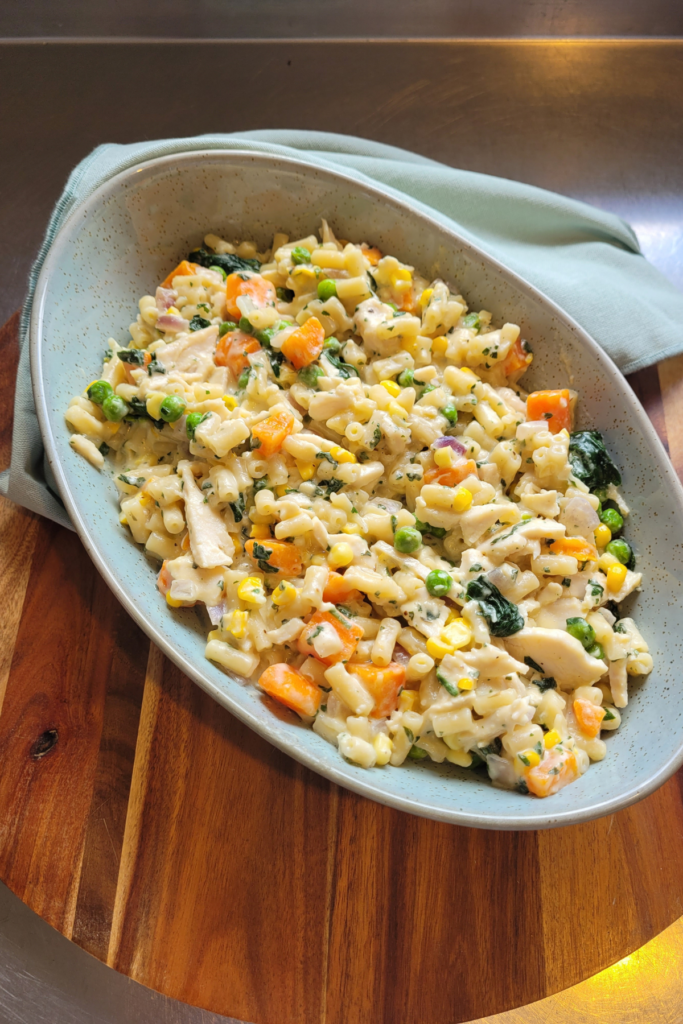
pixel 144 822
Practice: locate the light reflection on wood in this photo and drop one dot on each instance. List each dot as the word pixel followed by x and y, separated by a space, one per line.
pixel 643 988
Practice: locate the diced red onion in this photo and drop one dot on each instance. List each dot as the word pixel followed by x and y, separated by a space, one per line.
pixel 401 655
pixel 171 323
pixel 580 518
pixel 216 613
pixel 165 298
pixel 450 442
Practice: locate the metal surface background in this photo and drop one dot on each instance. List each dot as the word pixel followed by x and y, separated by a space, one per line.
pixel 357 19
pixel 596 120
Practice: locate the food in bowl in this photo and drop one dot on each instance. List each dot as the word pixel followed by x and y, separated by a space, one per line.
pixel 391 538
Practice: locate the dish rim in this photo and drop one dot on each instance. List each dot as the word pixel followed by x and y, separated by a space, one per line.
pixel 370 789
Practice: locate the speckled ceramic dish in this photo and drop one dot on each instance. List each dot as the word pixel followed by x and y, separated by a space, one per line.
pixel 121 242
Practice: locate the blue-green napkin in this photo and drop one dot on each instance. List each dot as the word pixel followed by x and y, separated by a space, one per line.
pixel 588 261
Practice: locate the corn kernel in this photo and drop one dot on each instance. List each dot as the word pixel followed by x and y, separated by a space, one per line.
pixel 529 758
pixel 250 590
pixel 172 601
pixel 281 490
pixel 439 346
pixel 305 273
pixel 408 700
pixel 284 593
pixel 352 529
pixel 443 457
pixel 438 648
pixel 238 624
pixel 462 500
pixel 145 500
pixel 229 402
pixel 616 574
pixel 603 535
pixel 401 274
pixel 411 345
pixel 551 739
pixel 396 409
pixel 465 683
pixel 456 634
pixel 462 758
pixel 123 520
pixel 173 310
pixel 383 748
pixel 260 531
pixel 340 454
pixel 306 469
pixel 392 387
pixel 425 297
pixel 340 555
pixel 606 561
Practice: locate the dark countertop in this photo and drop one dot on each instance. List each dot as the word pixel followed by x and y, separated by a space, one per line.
pixel 599 121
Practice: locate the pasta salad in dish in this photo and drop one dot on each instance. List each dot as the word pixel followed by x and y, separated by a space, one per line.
pixel 391 538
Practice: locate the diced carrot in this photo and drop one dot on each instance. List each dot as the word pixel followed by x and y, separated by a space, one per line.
pixel 579 548
pixel 184 269
pixel 517 361
pixel 408 304
pixel 291 688
pixel 304 346
pixel 348 632
pixel 233 350
pixel 589 716
pixel 383 684
pixel 557 769
pixel 553 406
pixel 164 579
pixel 372 254
pixel 129 367
pixel 337 589
pixel 450 476
pixel 270 433
pixel 260 291
pixel 278 554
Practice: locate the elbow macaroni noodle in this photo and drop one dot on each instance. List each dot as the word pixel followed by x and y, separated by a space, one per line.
pixel 335 457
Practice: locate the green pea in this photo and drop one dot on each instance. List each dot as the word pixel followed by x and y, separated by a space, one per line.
pixel 439 582
pixel 596 651
pixel 417 753
pixel 300 254
pixel 472 321
pixel 405 378
pixel 226 327
pixel 172 408
pixel 244 378
pixel 309 375
pixel 407 539
pixel 114 408
pixel 621 549
pixel 326 290
pixel 192 422
pixel 332 345
pixel 284 294
pixel 581 631
pixel 98 391
pixel 245 325
pixel 610 517
pixel 219 270
pixel 450 412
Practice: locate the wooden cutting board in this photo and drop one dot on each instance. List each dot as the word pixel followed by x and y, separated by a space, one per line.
pixel 153 829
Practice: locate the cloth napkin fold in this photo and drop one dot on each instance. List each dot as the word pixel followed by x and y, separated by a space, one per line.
pixel 588 261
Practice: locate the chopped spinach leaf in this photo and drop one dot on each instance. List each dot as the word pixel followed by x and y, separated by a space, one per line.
pixel 327 457
pixel 545 684
pixel 590 460
pixel 228 262
pixel 155 366
pixel 238 508
pixel 502 615
pixel 132 356
pixel 262 554
pixel 533 664
pixel 132 481
pixel 198 323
